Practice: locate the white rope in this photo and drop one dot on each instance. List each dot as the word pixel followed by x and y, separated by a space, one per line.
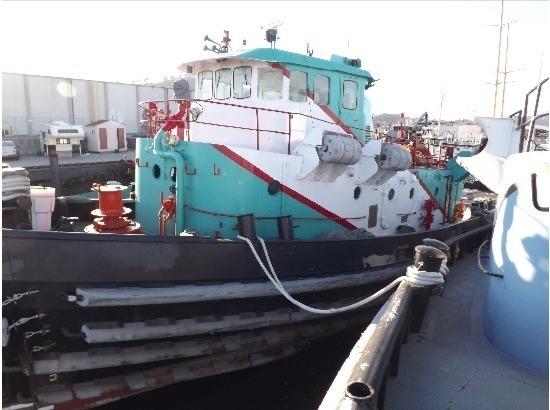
pixel 413 275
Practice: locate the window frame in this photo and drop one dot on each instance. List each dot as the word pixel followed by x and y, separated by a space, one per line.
pixel 215 83
pixel 328 88
pixel 344 81
pixel 211 84
pixel 305 89
pixel 261 71
pixel 250 82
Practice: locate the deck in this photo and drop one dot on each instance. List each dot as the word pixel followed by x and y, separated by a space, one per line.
pixel 450 365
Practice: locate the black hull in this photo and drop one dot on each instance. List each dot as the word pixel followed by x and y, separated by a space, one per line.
pixel 180 340
pixel 32 256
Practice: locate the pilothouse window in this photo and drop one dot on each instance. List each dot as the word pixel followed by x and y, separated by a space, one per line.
pixel 205 85
pixel 223 84
pixel 270 84
pixel 298 86
pixel 349 95
pixel 241 82
pixel 321 87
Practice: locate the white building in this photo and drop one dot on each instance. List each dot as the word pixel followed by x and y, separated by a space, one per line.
pixel 106 136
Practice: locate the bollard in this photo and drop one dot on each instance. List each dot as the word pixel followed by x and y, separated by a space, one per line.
pixel 427 259
pixel 246 226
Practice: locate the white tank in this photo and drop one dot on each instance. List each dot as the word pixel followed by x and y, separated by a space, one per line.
pixel 43 203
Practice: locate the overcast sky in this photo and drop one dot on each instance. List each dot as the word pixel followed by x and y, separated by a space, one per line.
pixel 417 49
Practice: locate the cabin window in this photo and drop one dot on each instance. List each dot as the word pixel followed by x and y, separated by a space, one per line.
pixel 205 85
pixel 298 86
pixel 270 84
pixel 241 82
pixel 223 84
pixel 349 95
pixel 321 87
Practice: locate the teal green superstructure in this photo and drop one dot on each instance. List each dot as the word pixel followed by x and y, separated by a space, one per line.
pixel 213 198
pixel 338 69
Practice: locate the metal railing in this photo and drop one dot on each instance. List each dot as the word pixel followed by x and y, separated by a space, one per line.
pixel 161 116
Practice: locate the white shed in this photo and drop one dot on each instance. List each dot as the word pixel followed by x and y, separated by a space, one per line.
pixel 106 136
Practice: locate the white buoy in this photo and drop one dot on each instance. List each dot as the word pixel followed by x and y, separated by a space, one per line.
pixel 43 203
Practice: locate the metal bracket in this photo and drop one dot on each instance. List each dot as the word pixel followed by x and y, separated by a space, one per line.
pixel 217 171
pixel 194 172
pixel 141 166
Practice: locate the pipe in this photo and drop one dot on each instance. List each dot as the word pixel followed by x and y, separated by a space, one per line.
pixel 368 375
pixel 160 149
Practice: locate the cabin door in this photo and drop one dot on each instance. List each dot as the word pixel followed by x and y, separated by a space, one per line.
pixel 120 137
pixel 103 138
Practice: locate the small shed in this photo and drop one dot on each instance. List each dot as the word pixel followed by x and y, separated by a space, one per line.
pixel 106 136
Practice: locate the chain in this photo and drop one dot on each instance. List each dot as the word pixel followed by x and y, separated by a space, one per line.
pixel 17 296
pixel 24 320
pixel 36 349
pixel 42 332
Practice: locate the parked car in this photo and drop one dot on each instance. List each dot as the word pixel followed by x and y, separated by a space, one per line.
pixel 9 150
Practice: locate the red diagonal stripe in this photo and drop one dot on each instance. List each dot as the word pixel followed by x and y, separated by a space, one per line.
pixel 285 189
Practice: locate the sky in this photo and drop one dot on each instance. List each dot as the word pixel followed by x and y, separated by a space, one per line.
pixel 419 51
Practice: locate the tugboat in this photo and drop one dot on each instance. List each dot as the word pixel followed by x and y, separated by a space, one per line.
pixel 172 284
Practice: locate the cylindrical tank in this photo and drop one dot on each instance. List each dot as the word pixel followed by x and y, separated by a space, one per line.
pixel 43 203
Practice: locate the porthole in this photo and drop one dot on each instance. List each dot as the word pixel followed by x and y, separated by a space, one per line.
pixel 173 174
pixel 391 194
pixel 411 193
pixel 156 171
pixel 356 192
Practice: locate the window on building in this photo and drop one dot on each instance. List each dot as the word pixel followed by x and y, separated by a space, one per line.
pixel 349 95
pixel 205 85
pixel 270 84
pixel 321 87
pixel 242 79
pixel 298 86
pixel 62 141
pixel 223 84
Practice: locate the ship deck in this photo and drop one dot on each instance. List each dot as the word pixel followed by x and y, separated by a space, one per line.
pixel 450 364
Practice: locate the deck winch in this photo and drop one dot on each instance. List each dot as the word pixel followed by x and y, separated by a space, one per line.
pixel 110 214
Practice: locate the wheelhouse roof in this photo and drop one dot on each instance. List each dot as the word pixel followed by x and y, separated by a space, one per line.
pixel 336 63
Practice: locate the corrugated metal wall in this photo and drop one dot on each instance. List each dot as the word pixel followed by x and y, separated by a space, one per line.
pixel 30 102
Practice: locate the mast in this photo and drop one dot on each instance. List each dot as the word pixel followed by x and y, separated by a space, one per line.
pixel 498 58
pixel 505 70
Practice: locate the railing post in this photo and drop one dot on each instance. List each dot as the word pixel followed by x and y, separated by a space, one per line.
pixel 257 130
pixel 289 131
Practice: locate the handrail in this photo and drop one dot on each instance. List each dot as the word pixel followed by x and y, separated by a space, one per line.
pixel 525 112
pixel 252 108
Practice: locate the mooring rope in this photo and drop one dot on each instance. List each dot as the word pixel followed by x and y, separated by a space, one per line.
pixel 413 276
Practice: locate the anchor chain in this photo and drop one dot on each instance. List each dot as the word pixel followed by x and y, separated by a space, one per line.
pixel 24 320
pixel 17 296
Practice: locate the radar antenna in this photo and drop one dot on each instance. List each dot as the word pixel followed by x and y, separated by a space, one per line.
pixel 271 35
